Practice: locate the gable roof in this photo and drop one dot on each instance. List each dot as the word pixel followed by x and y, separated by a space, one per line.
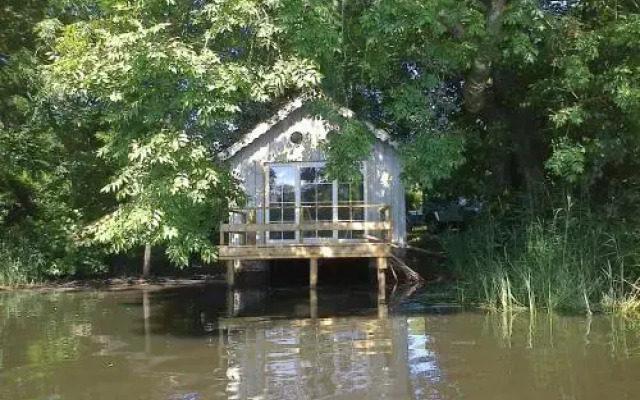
pixel 285 112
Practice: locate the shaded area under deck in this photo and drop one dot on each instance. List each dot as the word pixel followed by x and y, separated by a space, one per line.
pixel 331 272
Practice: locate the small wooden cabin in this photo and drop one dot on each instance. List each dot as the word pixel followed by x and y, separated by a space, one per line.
pixel 294 211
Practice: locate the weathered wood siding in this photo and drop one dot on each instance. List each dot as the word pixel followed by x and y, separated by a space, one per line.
pixel 382 171
pixel 384 186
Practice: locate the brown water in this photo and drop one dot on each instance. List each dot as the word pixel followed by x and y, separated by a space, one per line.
pixel 183 344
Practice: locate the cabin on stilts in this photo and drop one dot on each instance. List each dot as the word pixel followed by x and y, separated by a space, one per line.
pixel 294 211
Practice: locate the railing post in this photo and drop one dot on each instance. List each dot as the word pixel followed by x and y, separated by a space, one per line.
pixel 390 216
pixel 385 216
pixel 298 215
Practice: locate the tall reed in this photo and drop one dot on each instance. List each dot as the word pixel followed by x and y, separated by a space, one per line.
pixel 558 257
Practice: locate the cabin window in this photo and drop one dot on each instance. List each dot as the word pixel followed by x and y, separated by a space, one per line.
pixel 351 207
pixel 301 193
pixel 282 199
pixel 316 199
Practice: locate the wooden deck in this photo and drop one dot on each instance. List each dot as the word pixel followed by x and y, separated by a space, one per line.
pixel 247 237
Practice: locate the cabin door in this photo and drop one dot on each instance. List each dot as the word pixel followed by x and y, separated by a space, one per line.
pixel 282 200
pixel 317 202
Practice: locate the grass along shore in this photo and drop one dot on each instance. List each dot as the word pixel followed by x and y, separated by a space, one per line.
pixel 569 259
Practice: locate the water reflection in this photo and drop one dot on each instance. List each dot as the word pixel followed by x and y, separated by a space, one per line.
pixel 210 343
pixel 317 358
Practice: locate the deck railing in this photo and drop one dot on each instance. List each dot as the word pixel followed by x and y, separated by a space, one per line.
pixel 250 227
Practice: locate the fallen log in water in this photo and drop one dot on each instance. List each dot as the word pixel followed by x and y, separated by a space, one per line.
pixel 396 264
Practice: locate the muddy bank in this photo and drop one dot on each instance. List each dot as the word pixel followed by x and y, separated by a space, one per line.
pixel 116 283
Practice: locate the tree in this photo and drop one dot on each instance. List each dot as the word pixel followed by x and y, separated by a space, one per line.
pixel 505 92
pixel 39 211
pixel 595 95
pixel 167 81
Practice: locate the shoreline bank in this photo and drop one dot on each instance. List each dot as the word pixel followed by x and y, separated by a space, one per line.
pixel 114 284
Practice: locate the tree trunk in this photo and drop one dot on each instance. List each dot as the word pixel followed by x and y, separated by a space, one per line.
pixel 479 80
pixel 482 94
pixel 528 147
pixel 146 265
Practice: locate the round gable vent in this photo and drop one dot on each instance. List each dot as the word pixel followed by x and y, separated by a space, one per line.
pixel 296 137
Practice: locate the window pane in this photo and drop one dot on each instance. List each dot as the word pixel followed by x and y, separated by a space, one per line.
pixel 275 215
pixel 357 213
pixel 308 193
pixel 288 194
pixel 282 175
pixel 275 235
pixel 344 194
pixel 309 234
pixel 281 181
pixel 325 193
pixel 325 234
pixel 357 192
pixel 308 174
pixel 289 214
pixel 344 214
pixel 288 235
pixel 274 194
pixel 309 213
pixel 325 213
pixel 320 175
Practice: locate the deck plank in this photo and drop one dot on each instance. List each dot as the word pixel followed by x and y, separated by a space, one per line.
pixel 332 250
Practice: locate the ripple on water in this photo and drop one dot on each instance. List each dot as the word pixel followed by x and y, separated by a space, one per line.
pixel 183 345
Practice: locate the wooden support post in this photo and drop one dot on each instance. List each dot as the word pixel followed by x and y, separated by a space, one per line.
pixel 383 309
pixel 231 272
pixel 381 267
pixel 231 302
pixel 313 272
pixel 313 303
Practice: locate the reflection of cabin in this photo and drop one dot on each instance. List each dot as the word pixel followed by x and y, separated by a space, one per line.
pixel 294 211
pixel 339 358
pixel 314 354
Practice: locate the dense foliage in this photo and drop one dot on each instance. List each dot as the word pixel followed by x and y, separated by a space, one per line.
pixel 113 113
